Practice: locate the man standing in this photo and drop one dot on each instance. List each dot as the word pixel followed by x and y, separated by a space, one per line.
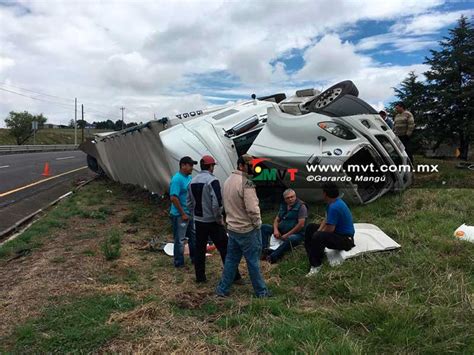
pixel 403 127
pixel 182 223
pixel 243 224
pixel 386 118
pixel 335 232
pixel 288 226
pixel 205 203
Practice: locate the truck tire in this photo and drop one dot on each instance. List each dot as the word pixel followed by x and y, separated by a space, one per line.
pixel 334 93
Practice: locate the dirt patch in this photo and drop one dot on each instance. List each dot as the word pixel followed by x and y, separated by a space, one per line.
pixel 31 282
pixel 192 300
pixel 169 333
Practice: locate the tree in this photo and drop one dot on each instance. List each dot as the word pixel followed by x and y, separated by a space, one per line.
pixel 131 124
pixel 118 125
pixel 82 124
pixel 451 86
pixel 109 124
pixel 412 93
pixel 20 125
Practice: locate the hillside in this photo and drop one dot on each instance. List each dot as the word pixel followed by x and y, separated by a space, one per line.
pixel 49 136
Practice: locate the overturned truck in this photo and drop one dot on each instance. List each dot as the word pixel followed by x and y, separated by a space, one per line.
pixel 322 136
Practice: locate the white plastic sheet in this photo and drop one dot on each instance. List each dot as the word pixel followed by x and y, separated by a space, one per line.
pixel 368 238
pixel 465 232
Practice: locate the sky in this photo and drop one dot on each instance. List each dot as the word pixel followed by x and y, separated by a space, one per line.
pixel 160 58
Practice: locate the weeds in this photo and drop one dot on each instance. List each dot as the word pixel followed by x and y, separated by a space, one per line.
pixel 111 245
pixel 79 325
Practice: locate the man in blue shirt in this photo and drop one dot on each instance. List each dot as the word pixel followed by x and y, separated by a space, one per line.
pixel 181 220
pixel 335 232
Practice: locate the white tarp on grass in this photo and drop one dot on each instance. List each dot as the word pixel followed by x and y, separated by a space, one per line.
pixel 465 232
pixel 368 238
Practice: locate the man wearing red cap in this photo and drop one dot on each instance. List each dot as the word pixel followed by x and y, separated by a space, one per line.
pixel 205 204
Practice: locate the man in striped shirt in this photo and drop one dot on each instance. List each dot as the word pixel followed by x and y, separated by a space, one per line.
pixel 403 126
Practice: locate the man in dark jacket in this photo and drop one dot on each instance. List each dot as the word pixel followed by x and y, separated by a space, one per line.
pixel 288 226
pixel 205 203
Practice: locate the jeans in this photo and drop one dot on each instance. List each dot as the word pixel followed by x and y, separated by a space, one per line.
pixel 217 234
pixel 250 246
pixel 292 241
pixel 406 140
pixel 181 231
pixel 315 242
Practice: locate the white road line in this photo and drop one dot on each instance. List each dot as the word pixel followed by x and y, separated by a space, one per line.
pixel 4 166
pixel 64 158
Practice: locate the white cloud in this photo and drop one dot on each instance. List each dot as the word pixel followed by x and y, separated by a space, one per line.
pixel 6 62
pixel 330 58
pixel 412 33
pixel 141 54
pixel 335 60
pixel 376 83
pixel 428 23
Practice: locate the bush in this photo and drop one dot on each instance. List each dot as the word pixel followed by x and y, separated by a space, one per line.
pixel 111 245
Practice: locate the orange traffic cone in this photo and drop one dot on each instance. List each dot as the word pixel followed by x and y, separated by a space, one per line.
pixel 46 170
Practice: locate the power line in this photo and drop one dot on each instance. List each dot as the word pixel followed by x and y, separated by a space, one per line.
pixel 35 92
pixel 102 113
pixel 35 98
pixel 44 94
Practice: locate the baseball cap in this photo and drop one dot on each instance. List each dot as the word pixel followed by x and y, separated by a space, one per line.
pixel 207 160
pixel 187 160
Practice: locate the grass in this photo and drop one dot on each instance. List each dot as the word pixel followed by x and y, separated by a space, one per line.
pixel 418 299
pixel 77 325
pixel 111 245
pixel 78 205
pixel 49 136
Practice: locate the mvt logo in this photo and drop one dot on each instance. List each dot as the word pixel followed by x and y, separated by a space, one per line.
pixel 263 174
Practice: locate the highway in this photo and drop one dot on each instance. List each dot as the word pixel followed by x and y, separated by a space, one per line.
pixel 24 188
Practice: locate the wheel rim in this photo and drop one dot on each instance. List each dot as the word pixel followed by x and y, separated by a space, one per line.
pixel 329 97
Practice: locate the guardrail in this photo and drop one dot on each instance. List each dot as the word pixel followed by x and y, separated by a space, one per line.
pixel 11 149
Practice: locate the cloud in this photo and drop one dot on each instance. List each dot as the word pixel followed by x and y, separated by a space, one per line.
pixel 5 63
pixel 412 33
pixel 331 60
pixel 395 42
pixel 149 56
pixel 428 23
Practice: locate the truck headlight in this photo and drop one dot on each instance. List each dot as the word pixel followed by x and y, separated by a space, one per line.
pixel 337 130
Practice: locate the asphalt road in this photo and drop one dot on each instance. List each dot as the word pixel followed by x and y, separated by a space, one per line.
pixel 23 187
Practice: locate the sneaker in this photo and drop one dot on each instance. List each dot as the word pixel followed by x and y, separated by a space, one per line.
pixel 267 294
pixel 313 271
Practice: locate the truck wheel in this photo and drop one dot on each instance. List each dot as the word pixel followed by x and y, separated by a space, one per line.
pixel 332 94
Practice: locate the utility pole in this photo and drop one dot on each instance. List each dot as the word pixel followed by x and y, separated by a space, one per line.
pixel 75 121
pixel 82 109
pixel 122 108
